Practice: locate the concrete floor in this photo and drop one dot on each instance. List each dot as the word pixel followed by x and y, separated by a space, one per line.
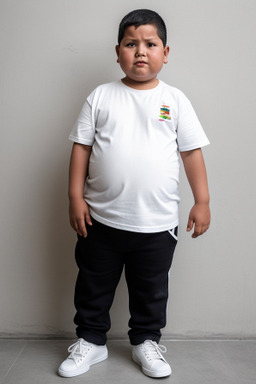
pixel 192 362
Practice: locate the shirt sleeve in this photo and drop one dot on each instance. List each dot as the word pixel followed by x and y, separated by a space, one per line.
pixel 84 129
pixel 190 134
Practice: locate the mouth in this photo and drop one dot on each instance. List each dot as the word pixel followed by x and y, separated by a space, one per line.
pixel 140 63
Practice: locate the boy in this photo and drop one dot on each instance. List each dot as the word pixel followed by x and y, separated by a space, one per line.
pixel 123 194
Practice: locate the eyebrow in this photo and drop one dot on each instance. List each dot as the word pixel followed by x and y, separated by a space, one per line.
pixel 133 39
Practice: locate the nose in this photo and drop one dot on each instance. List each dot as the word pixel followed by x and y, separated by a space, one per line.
pixel 140 51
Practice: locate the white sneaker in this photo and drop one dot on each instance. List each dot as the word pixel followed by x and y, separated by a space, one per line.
pixel 149 356
pixel 82 356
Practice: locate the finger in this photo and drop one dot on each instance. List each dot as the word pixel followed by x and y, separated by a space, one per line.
pixel 205 228
pixel 78 230
pixel 88 219
pixel 197 231
pixel 74 226
pixel 81 228
pixel 190 224
pixel 200 230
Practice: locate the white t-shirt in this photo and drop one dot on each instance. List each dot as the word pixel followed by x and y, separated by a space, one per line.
pixel 136 136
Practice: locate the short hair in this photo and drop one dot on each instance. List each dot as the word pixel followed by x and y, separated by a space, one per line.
pixel 141 17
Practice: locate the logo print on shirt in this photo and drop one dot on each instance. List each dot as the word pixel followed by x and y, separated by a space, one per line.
pixel 164 113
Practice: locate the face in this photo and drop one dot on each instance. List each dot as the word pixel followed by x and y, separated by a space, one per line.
pixel 141 55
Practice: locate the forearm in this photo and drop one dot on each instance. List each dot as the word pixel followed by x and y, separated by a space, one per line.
pixel 78 170
pixel 194 166
pixel 200 215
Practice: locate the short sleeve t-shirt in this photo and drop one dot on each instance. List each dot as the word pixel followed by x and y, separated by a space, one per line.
pixel 136 136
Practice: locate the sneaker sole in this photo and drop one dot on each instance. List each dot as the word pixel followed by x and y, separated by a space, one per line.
pixel 147 372
pixel 84 368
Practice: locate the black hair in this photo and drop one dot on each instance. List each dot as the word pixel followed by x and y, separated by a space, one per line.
pixel 142 17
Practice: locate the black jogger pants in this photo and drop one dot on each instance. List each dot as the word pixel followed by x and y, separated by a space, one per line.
pixel 101 257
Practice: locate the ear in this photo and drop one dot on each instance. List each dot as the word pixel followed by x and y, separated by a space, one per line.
pixel 117 52
pixel 166 53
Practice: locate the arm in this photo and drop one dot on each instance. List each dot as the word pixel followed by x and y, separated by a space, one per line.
pixel 196 174
pixel 78 208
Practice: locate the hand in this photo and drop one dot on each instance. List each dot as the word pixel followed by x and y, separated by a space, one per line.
pixel 79 216
pixel 200 218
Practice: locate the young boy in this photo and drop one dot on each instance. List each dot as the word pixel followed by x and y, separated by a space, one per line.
pixel 124 174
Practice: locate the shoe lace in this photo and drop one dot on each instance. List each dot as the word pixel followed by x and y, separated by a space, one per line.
pixel 153 351
pixel 78 350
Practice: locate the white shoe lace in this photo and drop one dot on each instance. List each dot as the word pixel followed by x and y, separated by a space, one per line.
pixel 153 350
pixel 79 350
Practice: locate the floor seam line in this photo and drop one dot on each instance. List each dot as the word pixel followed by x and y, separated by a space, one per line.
pixel 11 367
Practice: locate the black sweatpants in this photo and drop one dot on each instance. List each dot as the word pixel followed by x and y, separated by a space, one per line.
pixel 101 257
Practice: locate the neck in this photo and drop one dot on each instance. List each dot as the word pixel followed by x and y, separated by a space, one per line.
pixel 140 85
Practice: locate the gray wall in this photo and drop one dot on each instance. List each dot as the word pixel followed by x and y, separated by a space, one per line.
pixel 53 53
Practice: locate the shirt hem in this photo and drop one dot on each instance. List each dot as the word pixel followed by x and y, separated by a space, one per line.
pixel 81 141
pixel 134 228
pixel 193 146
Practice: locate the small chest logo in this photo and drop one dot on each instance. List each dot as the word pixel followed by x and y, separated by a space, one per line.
pixel 164 113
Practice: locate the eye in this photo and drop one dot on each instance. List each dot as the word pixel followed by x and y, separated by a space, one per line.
pixel 151 45
pixel 130 45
